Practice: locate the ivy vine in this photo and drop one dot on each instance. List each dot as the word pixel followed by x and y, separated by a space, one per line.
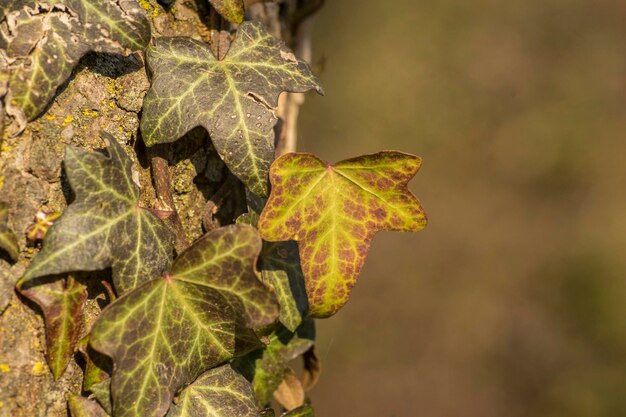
pixel 211 331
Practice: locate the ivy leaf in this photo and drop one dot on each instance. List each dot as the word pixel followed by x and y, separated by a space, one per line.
pixel 229 261
pixel 165 333
pixel 84 407
pixel 234 99
pixel 8 240
pixel 280 270
pixel 290 392
pixel 267 368
pixel 231 10
pixel 104 226
pixel 304 411
pixel 334 212
pixel 41 42
pixel 102 391
pixel 97 366
pixel 220 392
pixel 61 302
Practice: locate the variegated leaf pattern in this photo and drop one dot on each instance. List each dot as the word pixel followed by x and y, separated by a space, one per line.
pixel 42 41
pixel 165 333
pixel 334 211
pixel 220 392
pixel 104 226
pixel 267 368
pixel 8 240
pixel 61 302
pixel 235 248
pixel 234 99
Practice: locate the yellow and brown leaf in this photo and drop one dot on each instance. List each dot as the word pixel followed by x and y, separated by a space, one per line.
pixel 334 211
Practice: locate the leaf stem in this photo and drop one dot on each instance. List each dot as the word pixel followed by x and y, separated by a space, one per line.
pixel 159 155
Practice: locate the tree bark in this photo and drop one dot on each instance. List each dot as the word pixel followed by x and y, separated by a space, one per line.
pixel 105 92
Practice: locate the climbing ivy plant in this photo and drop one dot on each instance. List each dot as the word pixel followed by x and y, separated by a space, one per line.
pixel 204 328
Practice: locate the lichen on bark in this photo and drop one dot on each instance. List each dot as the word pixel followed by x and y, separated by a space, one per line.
pixel 103 93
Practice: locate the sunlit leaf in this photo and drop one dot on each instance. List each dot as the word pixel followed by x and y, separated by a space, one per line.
pixel 8 240
pixel 61 302
pixel 42 41
pixel 267 368
pixel 234 99
pixel 334 211
pixel 104 226
pixel 280 269
pixel 84 407
pixel 228 259
pixel 220 392
pixel 165 333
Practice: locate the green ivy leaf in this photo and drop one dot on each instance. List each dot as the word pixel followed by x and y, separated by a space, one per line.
pixel 61 302
pixel 231 10
pixel 280 270
pixel 45 40
pixel 8 240
pixel 220 392
pixel 165 333
pixel 102 391
pixel 98 367
pixel 234 99
pixel 334 212
pixel 104 226
pixel 267 368
pixel 230 262
pixel 84 407
pixel 304 411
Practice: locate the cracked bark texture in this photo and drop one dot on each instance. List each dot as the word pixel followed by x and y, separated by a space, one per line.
pixel 105 92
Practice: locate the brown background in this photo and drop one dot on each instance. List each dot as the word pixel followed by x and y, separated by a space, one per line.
pixel 511 301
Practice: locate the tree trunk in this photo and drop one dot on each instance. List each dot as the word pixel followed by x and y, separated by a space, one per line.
pixel 105 93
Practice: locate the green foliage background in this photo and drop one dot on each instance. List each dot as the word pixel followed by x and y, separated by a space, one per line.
pixel 511 301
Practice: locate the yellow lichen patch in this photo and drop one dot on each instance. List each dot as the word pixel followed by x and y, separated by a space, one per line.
pixel 67 121
pixel 50 116
pixel 4 368
pixel 151 9
pixel 90 113
pixel 38 368
pixel 113 87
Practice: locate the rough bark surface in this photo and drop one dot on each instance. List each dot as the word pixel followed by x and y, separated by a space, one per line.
pixel 105 92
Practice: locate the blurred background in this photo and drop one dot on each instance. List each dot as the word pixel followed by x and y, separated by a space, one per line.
pixel 512 302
